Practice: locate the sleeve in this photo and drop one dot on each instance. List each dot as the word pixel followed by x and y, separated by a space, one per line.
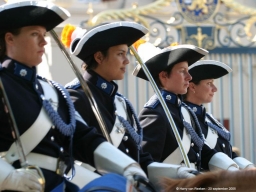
pixel 6 169
pixel 154 132
pixel 207 154
pixel 233 153
pixel 81 103
pixel 144 157
pixel 145 160
pixel 85 140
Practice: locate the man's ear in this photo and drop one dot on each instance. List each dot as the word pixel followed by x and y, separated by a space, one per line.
pixel 98 57
pixel 163 78
pixel 9 38
pixel 192 87
pixel 163 75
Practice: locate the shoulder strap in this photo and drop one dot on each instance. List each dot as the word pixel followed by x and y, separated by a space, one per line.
pixel 175 157
pixel 212 136
pixel 134 129
pixel 38 129
pixel 118 130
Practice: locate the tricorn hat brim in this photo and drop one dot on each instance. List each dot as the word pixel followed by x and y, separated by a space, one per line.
pixel 169 57
pixel 104 36
pixel 28 13
pixel 208 69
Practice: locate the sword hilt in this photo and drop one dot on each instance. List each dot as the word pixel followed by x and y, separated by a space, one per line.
pixel 143 184
pixel 41 180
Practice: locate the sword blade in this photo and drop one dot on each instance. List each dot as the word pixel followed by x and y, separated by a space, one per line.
pixel 16 136
pixel 13 125
pixel 85 88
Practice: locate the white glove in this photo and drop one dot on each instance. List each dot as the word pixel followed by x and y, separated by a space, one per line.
pixel 220 161
pixel 232 168
pixel 108 158
pixel 22 180
pixel 243 163
pixel 133 169
pixel 185 172
pixel 250 167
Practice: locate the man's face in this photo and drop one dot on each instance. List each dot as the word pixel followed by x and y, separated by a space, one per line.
pixel 113 66
pixel 28 46
pixel 204 91
pixel 178 80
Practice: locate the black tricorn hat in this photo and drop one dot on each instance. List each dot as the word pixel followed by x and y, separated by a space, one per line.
pixel 208 69
pixel 104 36
pixel 161 59
pixel 28 13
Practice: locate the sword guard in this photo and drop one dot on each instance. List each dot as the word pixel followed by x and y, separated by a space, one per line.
pixel 195 172
pixel 143 184
pixel 40 173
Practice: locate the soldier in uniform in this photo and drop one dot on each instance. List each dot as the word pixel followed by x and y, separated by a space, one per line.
pixel 169 69
pixel 52 133
pixel 104 50
pixel 200 91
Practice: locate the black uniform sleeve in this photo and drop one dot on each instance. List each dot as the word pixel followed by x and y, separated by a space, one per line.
pixel 86 140
pixel 81 103
pixel 206 155
pixel 144 157
pixel 154 132
pixel 234 155
pixel 145 160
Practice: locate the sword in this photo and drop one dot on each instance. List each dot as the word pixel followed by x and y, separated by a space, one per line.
pixel 16 136
pixel 85 88
pixel 166 110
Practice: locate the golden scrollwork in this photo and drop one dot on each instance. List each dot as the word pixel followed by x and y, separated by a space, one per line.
pixel 118 14
pixel 240 8
pixel 157 5
pixel 129 13
pixel 248 25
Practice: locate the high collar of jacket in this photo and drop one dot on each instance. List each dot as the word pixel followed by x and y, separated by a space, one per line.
pixel 198 109
pixel 110 88
pixel 170 97
pixel 19 69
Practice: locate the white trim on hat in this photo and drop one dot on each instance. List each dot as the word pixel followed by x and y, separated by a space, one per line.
pixel 101 28
pixel 63 13
pixel 77 33
pixel 136 70
pixel 148 50
pixel 187 46
pixel 210 62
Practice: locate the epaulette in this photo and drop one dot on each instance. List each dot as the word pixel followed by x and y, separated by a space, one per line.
pixel 41 78
pixel 152 103
pixel 74 84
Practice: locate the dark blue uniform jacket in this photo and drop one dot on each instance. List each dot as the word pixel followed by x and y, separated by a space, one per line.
pixel 222 144
pixel 158 135
pixel 23 94
pixel 104 94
